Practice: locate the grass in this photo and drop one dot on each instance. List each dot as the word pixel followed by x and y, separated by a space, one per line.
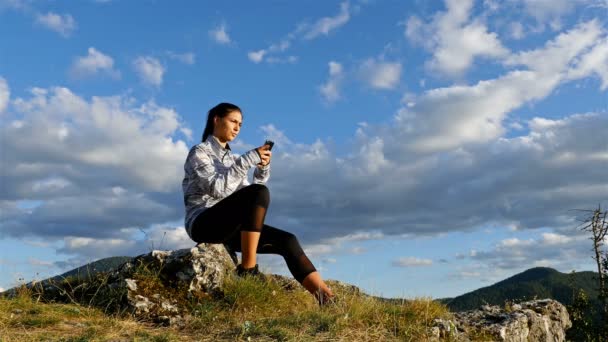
pixel 250 310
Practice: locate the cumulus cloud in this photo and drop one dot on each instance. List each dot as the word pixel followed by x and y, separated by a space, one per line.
pixel 85 174
pixel 158 237
pixel 62 24
pixel 5 94
pixel 94 63
pixel 412 262
pixel 149 70
pixel 446 118
pixel 548 250
pixel 447 155
pixel 381 75
pixel 454 39
pixel 186 58
pixel 220 34
pixel 516 182
pixel 330 90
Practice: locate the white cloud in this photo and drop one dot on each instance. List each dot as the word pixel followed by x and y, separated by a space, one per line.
pixel 159 237
pixel 358 250
pixel 95 62
pixel 256 56
pixel 5 94
pixel 454 39
pixel 306 31
pixel 557 54
pixel 447 118
pixel 549 250
pixel 62 24
pixel 186 58
pixel 359 236
pixel 220 34
pixel 412 262
pixel 38 262
pixel 516 30
pixel 282 60
pixel 555 239
pixel 548 11
pixel 85 150
pixel 330 90
pixel 381 75
pixel 150 70
pixel 593 62
pixel 325 25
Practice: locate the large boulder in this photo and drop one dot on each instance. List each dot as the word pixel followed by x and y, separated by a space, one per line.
pixel 537 320
pixel 156 286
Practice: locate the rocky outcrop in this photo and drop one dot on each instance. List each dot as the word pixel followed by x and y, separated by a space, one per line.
pixel 537 320
pixel 161 286
pixel 155 286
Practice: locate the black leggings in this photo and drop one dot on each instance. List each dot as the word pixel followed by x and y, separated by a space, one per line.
pixel 245 210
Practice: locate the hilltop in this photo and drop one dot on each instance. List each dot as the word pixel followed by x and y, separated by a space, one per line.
pixel 538 282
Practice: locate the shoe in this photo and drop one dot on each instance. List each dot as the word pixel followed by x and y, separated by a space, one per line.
pixel 250 272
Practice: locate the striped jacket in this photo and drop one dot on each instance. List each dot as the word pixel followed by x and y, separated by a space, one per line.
pixel 212 172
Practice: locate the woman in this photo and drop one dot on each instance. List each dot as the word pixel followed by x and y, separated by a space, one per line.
pixel 223 207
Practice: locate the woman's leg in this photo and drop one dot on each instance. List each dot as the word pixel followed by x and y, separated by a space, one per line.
pixel 244 211
pixel 276 241
pixel 249 245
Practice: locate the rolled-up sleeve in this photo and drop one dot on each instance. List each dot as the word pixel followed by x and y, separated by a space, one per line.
pixel 261 174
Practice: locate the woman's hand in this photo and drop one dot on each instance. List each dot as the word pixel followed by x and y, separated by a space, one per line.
pixel 265 153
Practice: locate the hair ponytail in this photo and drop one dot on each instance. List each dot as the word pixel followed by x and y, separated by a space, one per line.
pixel 221 110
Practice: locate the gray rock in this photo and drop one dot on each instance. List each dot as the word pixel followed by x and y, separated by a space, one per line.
pixel 153 286
pixel 538 320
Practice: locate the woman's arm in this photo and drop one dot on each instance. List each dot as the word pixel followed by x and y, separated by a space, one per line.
pixel 220 184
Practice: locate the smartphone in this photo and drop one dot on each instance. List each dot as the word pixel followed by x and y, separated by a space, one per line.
pixel 270 143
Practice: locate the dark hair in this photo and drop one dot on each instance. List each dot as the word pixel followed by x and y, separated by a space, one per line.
pixel 220 110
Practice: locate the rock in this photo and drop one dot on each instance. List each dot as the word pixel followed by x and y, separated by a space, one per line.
pixel 153 287
pixel 538 320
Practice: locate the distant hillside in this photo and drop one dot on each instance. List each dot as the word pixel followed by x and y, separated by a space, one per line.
pixel 101 265
pixel 538 282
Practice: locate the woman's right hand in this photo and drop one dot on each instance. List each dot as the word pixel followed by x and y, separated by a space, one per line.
pixel 265 154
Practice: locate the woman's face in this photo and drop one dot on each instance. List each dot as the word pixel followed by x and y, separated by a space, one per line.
pixel 227 128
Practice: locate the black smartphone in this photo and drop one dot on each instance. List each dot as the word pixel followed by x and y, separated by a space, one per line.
pixel 269 142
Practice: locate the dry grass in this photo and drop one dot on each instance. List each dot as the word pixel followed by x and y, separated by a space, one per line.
pixel 251 310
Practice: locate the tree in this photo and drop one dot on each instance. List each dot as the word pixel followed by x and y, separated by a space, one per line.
pixel 595 223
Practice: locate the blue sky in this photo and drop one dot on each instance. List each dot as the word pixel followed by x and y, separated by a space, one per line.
pixel 423 148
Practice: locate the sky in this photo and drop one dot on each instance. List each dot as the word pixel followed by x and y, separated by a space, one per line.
pixel 422 148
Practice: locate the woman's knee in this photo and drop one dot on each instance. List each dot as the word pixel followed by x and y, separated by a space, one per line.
pixel 291 245
pixel 260 195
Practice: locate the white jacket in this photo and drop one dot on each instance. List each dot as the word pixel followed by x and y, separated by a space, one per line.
pixel 212 172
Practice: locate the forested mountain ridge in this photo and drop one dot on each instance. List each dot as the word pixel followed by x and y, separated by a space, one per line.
pixel 538 282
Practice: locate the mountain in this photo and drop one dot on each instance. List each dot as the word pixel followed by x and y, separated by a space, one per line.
pixel 538 282
pixel 101 265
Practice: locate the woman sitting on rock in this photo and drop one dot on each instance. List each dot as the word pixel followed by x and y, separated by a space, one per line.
pixel 223 207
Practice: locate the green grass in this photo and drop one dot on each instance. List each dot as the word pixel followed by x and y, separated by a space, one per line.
pixel 249 310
